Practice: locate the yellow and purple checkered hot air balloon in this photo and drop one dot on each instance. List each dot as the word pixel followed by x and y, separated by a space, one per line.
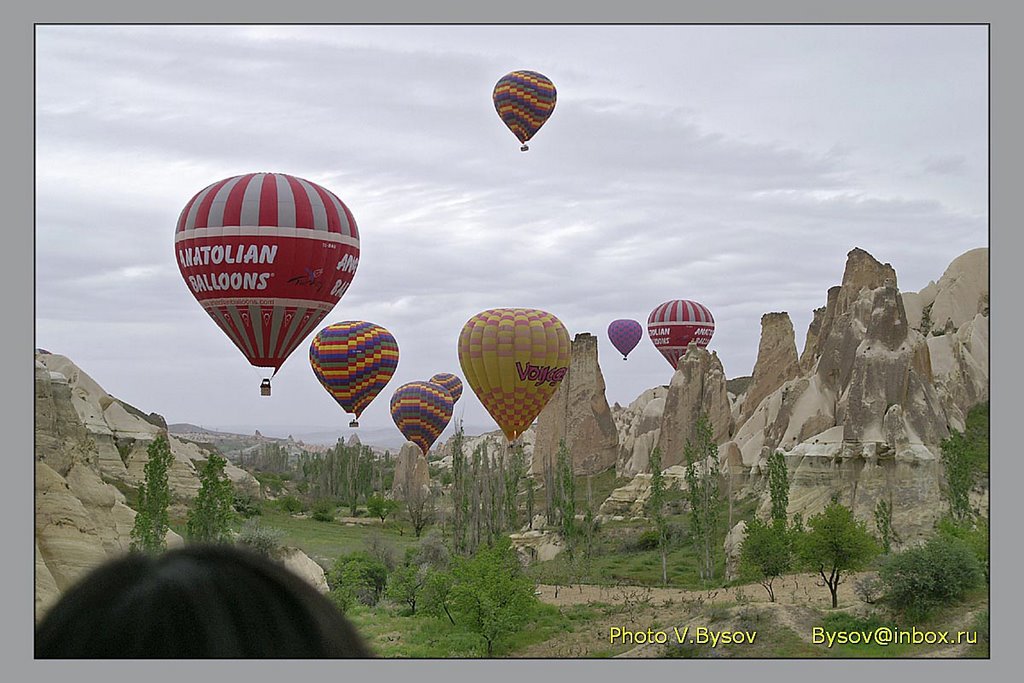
pixel 514 359
pixel 421 410
pixel 524 101
pixel 450 382
pixel 354 360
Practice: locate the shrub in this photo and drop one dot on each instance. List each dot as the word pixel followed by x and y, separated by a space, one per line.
pixel 247 506
pixel 647 540
pixel 259 538
pixel 323 510
pixel 938 573
pixel 289 504
pixel 361 575
pixel 868 588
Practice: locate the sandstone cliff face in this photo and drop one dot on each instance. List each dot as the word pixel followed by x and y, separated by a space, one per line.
pixel 411 470
pixel 639 426
pixel 863 411
pixel 578 412
pixel 777 361
pixel 698 386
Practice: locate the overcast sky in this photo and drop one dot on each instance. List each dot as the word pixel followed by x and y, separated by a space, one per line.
pixel 732 165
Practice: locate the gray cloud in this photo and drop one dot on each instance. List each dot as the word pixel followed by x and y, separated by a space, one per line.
pixel 733 165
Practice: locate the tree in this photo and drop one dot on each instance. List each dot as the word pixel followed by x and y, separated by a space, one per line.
pixel 920 579
pixel 834 543
pixel 381 507
pixel 883 524
pixel 491 595
pixel 766 553
pixel 363 577
pixel 655 508
pixel 419 502
pixel 778 486
pixel 703 492
pixel 149 534
pixel 436 595
pixel 212 511
pixel 565 497
pixel 957 461
pixel 406 583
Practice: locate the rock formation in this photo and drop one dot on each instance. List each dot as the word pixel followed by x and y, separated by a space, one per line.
pixel 578 412
pixel 733 546
pixel 860 415
pixel 411 470
pixel 639 426
pixel 777 362
pixel 698 386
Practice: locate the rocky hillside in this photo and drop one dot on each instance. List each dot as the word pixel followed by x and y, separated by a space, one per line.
pixel 90 450
pixel 883 378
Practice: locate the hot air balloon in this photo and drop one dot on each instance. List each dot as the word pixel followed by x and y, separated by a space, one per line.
pixel 514 359
pixel 524 101
pixel 625 335
pixel 674 324
pixel 421 410
pixel 354 360
pixel 267 255
pixel 450 382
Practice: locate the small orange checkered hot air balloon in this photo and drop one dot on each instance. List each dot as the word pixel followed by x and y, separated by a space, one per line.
pixel 524 100
pixel 514 359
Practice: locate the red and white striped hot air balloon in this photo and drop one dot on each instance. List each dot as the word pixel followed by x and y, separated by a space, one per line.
pixel 267 255
pixel 674 324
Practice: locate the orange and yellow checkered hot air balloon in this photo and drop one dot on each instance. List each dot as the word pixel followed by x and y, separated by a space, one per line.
pixel 524 100
pixel 354 360
pixel 514 359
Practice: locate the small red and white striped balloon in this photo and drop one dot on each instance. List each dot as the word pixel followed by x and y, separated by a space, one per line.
pixel 674 324
pixel 267 256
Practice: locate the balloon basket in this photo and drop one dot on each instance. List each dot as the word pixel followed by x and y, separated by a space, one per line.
pixel 353 423
pixel 524 148
pixel 265 388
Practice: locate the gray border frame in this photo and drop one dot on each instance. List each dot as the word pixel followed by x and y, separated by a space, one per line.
pixel 18 271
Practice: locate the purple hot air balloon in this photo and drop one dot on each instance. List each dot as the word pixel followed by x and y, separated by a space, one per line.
pixel 625 335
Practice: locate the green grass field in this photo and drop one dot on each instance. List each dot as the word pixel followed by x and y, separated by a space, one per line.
pixel 325 541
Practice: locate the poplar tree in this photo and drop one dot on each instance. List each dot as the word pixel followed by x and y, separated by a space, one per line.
pixel 149 534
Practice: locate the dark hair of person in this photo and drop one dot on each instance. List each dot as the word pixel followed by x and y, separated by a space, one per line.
pixel 199 601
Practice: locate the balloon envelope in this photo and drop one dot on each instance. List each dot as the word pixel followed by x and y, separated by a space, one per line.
pixel 524 100
pixel 421 410
pixel 674 324
pixel 450 382
pixel 625 335
pixel 267 256
pixel 514 359
pixel 353 360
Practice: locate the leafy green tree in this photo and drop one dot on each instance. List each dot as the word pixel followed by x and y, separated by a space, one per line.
pixel 149 534
pixel 703 492
pixel 565 497
pixel 212 510
pixel 364 577
pixel 956 458
pixel 835 543
pixel 766 553
pixel 436 595
pixel 406 584
pixel 655 508
pixel 974 533
pixel 938 573
pixel 778 486
pixel 381 507
pixel 883 524
pixel 491 595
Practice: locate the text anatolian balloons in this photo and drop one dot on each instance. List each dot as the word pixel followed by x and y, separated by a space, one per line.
pixel 421 411
pixel 674 324
pixel 514 359
pixel 524 100
pixel 353 360
pixel 625 335
pixel 267 255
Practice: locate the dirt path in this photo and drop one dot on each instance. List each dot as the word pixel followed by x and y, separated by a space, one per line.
pixel 799 589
